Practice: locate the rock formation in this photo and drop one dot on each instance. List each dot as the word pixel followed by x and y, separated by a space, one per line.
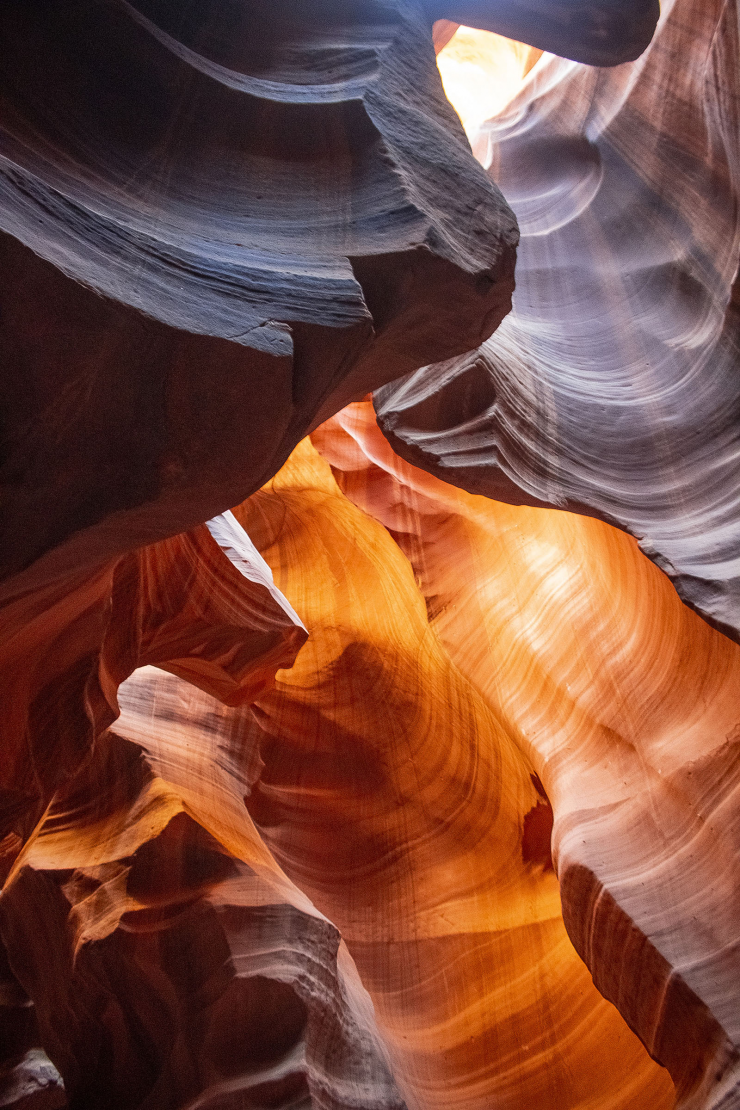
pixel 626 704
pixel 348 764
pixel 223 222
pixel 600 33
pixel 612 386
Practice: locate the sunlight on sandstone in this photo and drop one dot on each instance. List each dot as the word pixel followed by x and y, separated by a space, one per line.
pixel 481 72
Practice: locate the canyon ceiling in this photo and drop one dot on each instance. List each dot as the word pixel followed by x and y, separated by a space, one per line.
pixel 370 555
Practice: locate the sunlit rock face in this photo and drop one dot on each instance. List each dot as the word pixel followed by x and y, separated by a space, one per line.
pixel 201 604
pixel 375 791
pixel 612 386
pixel 389 782
pixel 476 677
pixel 167 971
pixel 626 704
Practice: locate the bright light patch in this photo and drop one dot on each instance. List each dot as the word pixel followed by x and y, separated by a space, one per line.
pixel 481 72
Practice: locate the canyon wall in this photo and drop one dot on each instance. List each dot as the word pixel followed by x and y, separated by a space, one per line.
pixel 369 695
pixel 612 386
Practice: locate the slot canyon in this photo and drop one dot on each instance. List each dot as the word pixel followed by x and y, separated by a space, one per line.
pixel 370 555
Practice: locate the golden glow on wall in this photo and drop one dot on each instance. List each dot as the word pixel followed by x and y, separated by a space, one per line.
pixel 481 72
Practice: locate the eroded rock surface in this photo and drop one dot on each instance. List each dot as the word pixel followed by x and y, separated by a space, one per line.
pixel 28 1079
pixel 165 971
pixel 395 797
pixel 358 837
pixel 219 225
pixel 626 703
pixel 599 33
pixel 202 605
pixel 612 387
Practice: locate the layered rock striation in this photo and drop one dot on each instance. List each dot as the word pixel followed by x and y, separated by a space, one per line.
pixel 599 33
pixel 373 793
pixel 171 967
pixel 611 388
pixel 219 225
pixel 626 704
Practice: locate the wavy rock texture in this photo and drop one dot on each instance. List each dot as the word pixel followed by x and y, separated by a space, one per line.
pixel 171 963
pixel 599 33
pixel 220 223
pixel 626 704
pixel 392 795
pixel 202 605
pixel 612 388
pixel 366 853
pixel 165 970
pixel 175 964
